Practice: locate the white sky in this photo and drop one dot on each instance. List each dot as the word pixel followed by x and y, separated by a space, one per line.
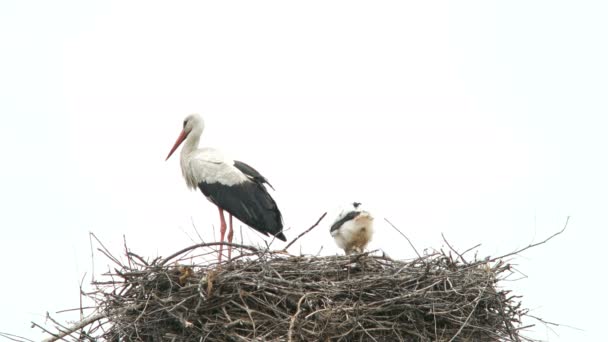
pixel 484 121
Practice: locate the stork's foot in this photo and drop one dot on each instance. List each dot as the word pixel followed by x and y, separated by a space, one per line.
pixel 356 250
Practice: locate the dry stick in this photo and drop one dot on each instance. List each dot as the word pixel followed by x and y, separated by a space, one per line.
pixel 36 325
pixel 452 248
pixel 81 293
pixel 105 251
pixel 15 337
pixel 435 321
pixel 83 323
pixel 76 309
pixel 77 326
pixel 242 240
pixel 534 244
pixel 408 240
pixel 306 231
pixel 196 230
pixel 554 324
pixel 366 332
pixel 58 325
pixel 292 322
pixel 132 255
pixel 248 310
pixel 92 257
pixel 470 249
pixel 470 314
pixel 506 323
pixel 200 245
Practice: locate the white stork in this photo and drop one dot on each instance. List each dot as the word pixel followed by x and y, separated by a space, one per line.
pixel 229 184
pixel 353 228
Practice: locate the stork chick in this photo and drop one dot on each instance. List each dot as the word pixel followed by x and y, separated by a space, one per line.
pixel 353 228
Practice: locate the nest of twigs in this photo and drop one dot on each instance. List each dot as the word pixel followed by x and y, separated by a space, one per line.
pixel 264 296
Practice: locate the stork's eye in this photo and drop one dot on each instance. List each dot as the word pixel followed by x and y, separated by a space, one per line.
pixel 185 122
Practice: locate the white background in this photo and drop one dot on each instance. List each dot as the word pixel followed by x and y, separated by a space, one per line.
pixel 482 121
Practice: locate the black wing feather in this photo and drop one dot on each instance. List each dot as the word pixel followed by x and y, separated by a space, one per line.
pixel 251 172
pixel 249 202
pixel 351 215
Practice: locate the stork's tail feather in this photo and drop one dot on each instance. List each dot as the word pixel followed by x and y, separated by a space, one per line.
pixel 281 237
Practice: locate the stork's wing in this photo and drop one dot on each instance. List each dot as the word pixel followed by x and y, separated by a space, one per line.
pixel 210 166
pixel 237 188
pixel 252 173
pixel 248 201
pixel 349 216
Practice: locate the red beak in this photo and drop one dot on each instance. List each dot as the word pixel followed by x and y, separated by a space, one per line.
pixel 179 141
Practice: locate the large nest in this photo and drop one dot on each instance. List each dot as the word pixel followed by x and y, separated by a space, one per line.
pixel 265 296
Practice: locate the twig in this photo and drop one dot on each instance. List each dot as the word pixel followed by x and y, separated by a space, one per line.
pixel 306 231
pixel 58 325
pixel 452 248
pixel 477 300
pixel 196 230
pixel 292 322
pixel 366 332
pixel 81 293
pixel 132 255
pixel 76 309
pixel 14 337
pixel 92 257
pixel 201 245
pixel 124 239
pixel 408 240
pixel 105 251
pixel 34 324
pixel 554 324
pixel 77 326
pixel 470 249
pixel 534 244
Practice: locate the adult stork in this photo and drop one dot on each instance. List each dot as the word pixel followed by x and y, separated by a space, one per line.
pixel 231 185
pixel 353 228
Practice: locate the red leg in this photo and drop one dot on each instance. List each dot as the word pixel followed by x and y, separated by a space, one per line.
pixel 230 234
pixel 222 232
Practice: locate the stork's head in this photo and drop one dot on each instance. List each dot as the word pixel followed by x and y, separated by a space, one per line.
pixel 193 128
pixel 194 123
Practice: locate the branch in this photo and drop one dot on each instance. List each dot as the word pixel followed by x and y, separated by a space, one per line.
pixel 306 231
pixel 15 337
pixel 554 324
pixel 408 240
pixel 105 251
pixel 199 245
pixel 77 326
pixel 84 322
pixel 477 300
pixel 292 321
pixel 534 244
pixel 452 248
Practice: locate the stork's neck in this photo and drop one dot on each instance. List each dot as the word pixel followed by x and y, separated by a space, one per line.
pixel 190 145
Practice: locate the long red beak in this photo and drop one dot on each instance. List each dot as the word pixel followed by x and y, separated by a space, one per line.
pixel 179 141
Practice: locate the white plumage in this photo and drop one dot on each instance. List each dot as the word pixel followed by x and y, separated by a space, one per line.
pixel 205 164
pixel 353 228
pixel 209 165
